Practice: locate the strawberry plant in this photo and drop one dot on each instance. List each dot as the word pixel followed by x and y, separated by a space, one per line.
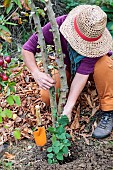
pixel 60 141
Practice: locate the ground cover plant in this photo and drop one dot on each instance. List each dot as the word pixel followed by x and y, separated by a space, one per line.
pixel 20 122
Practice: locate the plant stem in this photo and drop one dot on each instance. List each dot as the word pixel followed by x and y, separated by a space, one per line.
pixel 44 56
pixel 60 56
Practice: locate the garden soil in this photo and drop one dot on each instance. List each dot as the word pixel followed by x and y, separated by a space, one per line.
pixel 98 155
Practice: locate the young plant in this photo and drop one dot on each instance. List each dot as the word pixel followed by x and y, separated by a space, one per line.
pixel 60 141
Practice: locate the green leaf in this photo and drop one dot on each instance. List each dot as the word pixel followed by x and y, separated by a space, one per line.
pixel 65 140
pixel 10 100
pixel 8 92
pixel 0 119
pixel 60 130
pixel 9 8
pixel 53 138
pixel 60 156
pixel 18 3
pixel 42 1
pixel 12 89
pixel 10 84
pixel 17 134
pixel 3 114
pixel 17 100
pixel 62 136
pixel 51 130
pixel 110 25
pixel 0 109
pixel 65 150
pixel 56 149
pixel 50 155
pixel 3 84
pixel 61 146
pixel 56 143
pixel 50 161
pixel 63 120
pixel 67 143
pixel 2 27
pixel 49 149
pixel 8 113
pixel 106 9
pixel 6 127
pixel 41 12
pixel 10 23
pixel 68 135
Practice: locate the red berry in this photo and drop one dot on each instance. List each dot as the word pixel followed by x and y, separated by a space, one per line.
pixel 4 66
pixel 1 62
pixel 4 77
pixel 8 59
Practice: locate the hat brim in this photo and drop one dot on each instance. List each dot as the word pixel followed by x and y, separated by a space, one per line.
pixel 89 49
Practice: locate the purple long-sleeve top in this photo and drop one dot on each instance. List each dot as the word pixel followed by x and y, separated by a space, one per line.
pixel 86 65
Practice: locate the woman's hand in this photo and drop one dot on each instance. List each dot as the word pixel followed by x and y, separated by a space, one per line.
pixel 77 86
pixel 44 80
pixel 68 112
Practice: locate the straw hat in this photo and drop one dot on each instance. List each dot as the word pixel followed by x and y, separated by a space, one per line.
pixel 85 30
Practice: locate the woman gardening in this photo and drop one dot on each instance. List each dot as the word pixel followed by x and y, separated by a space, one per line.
pixel 87 46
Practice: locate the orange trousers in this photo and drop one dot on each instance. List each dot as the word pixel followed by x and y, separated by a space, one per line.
pixel 103 78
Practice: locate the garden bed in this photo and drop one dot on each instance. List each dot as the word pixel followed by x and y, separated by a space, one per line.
pixel 85 152
pixel 98 155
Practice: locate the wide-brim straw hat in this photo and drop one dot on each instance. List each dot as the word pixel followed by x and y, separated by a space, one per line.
pixel 85 30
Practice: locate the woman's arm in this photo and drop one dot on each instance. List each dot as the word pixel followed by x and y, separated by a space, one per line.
pixel 29 50
pixel 44 80
pixel 77 86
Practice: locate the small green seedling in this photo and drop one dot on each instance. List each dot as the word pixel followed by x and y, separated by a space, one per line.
pixel 60 141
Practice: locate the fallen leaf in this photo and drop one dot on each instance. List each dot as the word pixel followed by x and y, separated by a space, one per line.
pixel 8 156
pixel 85 137
pixel 75 125
pixel 88 100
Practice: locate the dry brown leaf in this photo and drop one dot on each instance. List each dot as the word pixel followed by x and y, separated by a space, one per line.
pixel 25 4
pixel 32 108
pixel 6 36
pixel 15 16
pixel 85 119
pixel 6 3
pixel 0 47
pixel 9 156
pixel 72 135
pixel 75 125
pixel 85 137
pixel 52 57
pixel 1 139
pixel 82 128
pixel 94 110
pixel 14 116
pixel 18 119
pixel 89 100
